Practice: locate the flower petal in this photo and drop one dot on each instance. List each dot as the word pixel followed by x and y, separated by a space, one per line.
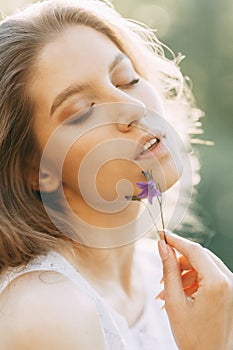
pixel 150 198
pixel 143 193
pixel 154 192
pixel 142 184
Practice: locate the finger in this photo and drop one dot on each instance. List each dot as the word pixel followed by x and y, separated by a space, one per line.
pixel 219 263
pixel 189 278
pixel 172 279
pixel 197 256
pixel 162 235
pixel 184 263
pixel 189 291
pixel 161 281
pixel 161 295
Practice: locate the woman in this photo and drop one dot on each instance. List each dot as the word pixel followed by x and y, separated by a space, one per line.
pixel 75 76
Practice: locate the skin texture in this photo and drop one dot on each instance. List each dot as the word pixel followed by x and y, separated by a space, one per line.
pixel 204 294
pixel 49 304
pixel 62 64
pixel 50 308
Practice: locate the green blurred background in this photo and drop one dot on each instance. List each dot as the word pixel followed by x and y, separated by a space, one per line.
pixel 202 30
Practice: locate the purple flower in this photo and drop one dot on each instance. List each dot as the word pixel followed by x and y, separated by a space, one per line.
pixel 149 190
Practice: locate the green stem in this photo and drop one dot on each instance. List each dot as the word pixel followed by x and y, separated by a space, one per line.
pixel 162 218
pixel 151 217
pixel 161 213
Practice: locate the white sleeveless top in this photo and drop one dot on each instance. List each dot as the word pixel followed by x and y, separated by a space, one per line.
pixel 150 332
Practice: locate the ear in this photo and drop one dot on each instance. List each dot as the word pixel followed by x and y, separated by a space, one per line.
pixel 40 178
pixel 49 182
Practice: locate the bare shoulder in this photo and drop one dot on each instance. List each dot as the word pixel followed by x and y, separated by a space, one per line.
pixel 45 310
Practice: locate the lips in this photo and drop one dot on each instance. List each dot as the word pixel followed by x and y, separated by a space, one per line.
pixel 148 143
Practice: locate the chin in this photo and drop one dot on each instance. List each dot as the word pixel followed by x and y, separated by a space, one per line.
pixel 167 173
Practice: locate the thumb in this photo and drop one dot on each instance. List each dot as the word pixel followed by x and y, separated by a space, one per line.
pixel 174 293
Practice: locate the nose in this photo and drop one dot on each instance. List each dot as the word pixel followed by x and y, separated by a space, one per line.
pixel 126 109
pixel 129 114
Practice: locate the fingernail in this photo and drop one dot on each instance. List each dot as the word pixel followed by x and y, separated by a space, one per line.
pixel 162 235
pixel 163 249
pixel 168 232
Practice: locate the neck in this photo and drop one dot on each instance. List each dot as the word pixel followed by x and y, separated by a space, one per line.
pixel 104 266
pixel 111 259
pixel 103 229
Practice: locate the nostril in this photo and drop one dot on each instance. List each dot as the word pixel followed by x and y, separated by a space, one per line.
pixel 132 122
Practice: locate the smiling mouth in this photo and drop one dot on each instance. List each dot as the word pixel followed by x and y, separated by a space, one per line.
pixel 149 145
pixel 152 146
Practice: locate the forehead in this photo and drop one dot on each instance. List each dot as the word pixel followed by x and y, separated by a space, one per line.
pixel 75 55
pixel 79 48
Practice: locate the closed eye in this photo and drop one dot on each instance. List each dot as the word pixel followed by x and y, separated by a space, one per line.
pixel 134 81
pixel 131 83
pixel 79 117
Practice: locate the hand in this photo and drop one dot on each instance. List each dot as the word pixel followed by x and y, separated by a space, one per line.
pixel 198 295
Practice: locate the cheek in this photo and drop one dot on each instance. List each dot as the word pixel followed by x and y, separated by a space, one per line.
pixel 43 131
pixel 72 162
pixel 83 158
pixel 117 177
pixel 150 97
pixel 86 166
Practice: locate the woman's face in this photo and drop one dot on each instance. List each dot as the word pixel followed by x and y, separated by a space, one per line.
pixel 82 68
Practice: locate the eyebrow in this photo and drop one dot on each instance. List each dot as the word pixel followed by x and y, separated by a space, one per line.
pixel 76 88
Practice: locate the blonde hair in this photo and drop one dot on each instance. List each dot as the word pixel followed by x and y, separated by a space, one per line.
pixel 25 229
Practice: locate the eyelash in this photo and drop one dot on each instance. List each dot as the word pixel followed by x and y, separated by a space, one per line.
pixel 86 115
pixel 82 118
pixel 133 82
